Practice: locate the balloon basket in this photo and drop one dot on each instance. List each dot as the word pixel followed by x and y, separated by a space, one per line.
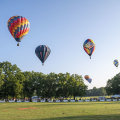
pixel 18 44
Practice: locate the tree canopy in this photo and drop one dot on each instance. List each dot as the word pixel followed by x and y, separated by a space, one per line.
pixel 17 84
pixel 113 85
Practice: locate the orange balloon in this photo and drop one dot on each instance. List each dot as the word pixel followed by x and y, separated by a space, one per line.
pixel 86 77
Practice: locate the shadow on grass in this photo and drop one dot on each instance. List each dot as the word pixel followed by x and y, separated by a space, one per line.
pixel 87 117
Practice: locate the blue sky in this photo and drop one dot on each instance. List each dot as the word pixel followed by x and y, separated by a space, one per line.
pixel 64 25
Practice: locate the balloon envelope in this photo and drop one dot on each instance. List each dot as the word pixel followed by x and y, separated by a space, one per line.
pixel 89 80
pixel 86 77
pixel 116 63
pixel 42 52
pixel 89 47
pixel 18 26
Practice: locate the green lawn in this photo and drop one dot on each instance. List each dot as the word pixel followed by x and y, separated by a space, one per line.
pixel 60 111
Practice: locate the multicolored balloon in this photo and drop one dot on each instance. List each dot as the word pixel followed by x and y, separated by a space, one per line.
pixel 42 52
pixel 89 47
pixel 88 78
pixel 18 26
pixel 116 63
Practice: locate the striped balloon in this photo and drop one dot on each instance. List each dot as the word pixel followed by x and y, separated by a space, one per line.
pixel 89 47
pixel 42 52
pixel 116 63
pixel 18 26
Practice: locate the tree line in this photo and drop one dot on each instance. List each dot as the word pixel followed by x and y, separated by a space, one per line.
pixel 17 84
pixel 113 85
pixel 96 91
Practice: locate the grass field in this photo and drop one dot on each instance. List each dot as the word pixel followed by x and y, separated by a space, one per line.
pixel 60 111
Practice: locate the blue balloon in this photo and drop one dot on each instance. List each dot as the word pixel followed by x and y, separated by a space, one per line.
pixel 89 80
pixel 116 63
pixel 42 52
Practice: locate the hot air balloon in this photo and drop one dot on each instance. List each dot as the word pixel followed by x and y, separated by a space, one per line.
pixel 89 47
pixel 42 52
pixel 88 78
pixel 18 26
pixel 116 63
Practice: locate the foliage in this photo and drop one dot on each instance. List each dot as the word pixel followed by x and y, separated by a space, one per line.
pixel 12 80
pixel 113 85
pixel 96 92
pixel 16 84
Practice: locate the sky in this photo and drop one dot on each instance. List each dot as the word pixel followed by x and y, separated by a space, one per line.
pixel 64 25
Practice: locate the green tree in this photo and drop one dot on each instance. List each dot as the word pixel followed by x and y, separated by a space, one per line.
pixel 1 77
pixel 113 85
pixel 1 82
pixel 15 85
pixel 38 83
pixel 96 92
pixel 11 81
pixel 49 85
pixel 62 88
pixel 76 86
pixel 28 84
pixel 71 85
